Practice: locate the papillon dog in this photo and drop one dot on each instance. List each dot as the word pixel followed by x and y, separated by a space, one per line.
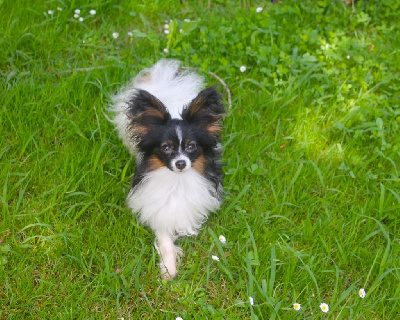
pixel 173 128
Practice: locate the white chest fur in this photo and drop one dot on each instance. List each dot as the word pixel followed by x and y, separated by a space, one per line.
pixel 177 203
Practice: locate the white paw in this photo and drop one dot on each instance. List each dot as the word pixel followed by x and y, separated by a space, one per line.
pixel 168 259
pixel 169 254
pixel 168 273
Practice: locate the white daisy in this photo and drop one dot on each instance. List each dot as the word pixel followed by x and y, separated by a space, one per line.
pixel 76 15
pixel 166 31
pixel 50 12
pixel 187 20
pixel 324 307
pixel 178 318
pixel 80 19
pixel 166 50
pixel 243 68
pixel 348 57
pixel 130 34
pixel 297 306
pixel 362 293
pixel 215 258
pixel 259 9
pixel 92 12
pixel 59 9
pixel 115 35
pixel 222 239
pixel 77 11
pixel 251 301
pixel 166 26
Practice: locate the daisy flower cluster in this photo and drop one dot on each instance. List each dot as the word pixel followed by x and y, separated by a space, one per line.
pixel 115 35
pixel 221 238
pixel 52 12
pixel 167 29
pixel 243 68
pixel 77 13
pixel 166 26
pixel 324 306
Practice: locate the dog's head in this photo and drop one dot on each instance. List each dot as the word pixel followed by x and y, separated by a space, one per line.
pixel 178 144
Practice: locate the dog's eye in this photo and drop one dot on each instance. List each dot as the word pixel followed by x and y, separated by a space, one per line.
pixel 166 148
pixel 191 147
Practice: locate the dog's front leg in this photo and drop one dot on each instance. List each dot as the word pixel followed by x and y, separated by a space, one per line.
pixel 168 253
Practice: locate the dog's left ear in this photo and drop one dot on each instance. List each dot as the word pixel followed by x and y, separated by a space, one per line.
pixel 206 111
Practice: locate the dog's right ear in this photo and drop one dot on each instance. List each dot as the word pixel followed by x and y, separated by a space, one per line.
pixel 145 112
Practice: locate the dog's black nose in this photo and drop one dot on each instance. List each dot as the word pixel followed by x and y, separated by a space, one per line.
pixel 180 164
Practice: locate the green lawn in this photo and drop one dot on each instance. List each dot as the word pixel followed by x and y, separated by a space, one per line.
pixel 312 147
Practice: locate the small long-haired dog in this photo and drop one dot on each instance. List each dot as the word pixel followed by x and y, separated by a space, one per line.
pixel 174 130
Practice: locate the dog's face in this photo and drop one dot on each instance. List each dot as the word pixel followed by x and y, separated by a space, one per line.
pixel 179 145
pixel 180 148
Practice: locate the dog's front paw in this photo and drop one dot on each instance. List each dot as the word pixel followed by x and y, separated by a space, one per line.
pixel 168 273
pixel 168 263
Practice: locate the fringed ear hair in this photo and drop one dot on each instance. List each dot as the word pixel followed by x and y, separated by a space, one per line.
pixel 206 111
pixel 145 112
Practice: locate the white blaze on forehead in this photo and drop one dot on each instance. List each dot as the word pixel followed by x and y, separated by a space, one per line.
pixel 179 134
pixel 181 155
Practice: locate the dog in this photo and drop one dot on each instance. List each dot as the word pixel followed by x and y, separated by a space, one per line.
pixel 173 128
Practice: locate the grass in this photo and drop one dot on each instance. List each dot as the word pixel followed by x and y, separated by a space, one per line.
pixel 311 146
